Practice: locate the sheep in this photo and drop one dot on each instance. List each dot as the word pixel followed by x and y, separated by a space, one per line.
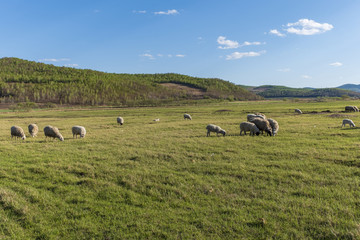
pixel 33 129
pixel 251 116
pixel 214 128
pixel 262 125
pixel 156 120
pixel 348 121
pixel 248 126
pixel 351 109
pixel 120 120
pixel 17 132
pixel 53 132
pixel 298 111
pixel 274 125
pixel 187 116
pixel 78 130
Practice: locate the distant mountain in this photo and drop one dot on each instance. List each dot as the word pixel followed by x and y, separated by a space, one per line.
pixel 271 91
pixel 351 87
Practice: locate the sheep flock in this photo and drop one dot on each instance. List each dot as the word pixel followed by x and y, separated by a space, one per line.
pixel 256 124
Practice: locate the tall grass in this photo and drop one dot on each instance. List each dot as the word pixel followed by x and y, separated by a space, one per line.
pixel 167 179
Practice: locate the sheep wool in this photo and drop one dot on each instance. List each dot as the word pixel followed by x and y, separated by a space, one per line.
pixel 120 120
pixel 262 125
pixel 53 132
pixel 248 126
pixel 256 115
pixel 214 128
pixel 78 130
pixel 17 132
pixel 33 129
pixel 274 125
pixel 348 121
pixel 187 116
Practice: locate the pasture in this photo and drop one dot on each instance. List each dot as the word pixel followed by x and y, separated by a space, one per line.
pixel 166 179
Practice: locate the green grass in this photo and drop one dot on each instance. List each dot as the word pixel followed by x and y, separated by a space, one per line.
pixel 150 180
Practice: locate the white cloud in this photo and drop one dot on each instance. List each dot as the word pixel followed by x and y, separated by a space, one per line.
pixel 308 27
pixel 336 64
pixel 246 43
pixel 54 60
pixel 306 77
pixel 140 11
pixel 148 55
pixel 168 12
pixel 227 44
pixel 160 55
pixel 72 65
pixel 277 33
pixel 238 55
pixel 284 70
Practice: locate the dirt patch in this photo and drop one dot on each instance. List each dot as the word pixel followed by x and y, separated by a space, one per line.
pixel 223 110
pixel 196 92
pixel 337 115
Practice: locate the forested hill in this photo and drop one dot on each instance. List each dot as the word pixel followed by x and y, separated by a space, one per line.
pixel 22 80
pixel 270 91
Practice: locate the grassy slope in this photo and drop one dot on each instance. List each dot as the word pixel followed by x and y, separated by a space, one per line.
pixel 22 80
pixel 167 180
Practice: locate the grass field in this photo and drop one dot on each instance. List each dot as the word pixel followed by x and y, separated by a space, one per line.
pixel 147 180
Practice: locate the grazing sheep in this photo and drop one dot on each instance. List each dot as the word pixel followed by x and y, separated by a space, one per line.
pixel 348 121
pixel 351 109
pixel 53 132
pixel 187 116
pixel 156 120
pixel 78 130
pixel 33 129
pixel 274 125
pixel 298 111
pixel 120 120
pixel 214 128
pixel 262 125
pixel 248 126
pixel 17 132
pixel 251 116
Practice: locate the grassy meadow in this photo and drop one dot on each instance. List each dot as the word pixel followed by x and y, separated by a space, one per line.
pixel 156 180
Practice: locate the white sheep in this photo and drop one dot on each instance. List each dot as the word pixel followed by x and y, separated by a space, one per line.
pixel 53 132
pixel 214 128
pixel 274 125
pixel 351 109
pixel 33 129
pixel 17 132
pixel 78 130
pixel 187 116
pixel 248 126
pixel 348 121
pixel 298 111
pixel 120 120
pixel 156 120
pixel 262 125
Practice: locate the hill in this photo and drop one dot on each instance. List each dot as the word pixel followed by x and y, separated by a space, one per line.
pixel 351 87
pixel 270 91
pixel 22 80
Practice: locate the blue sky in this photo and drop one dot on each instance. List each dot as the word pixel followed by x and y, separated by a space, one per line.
pixel 292 43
